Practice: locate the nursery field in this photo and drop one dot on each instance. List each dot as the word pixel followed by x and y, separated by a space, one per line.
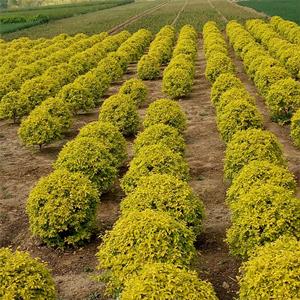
pixel 151 151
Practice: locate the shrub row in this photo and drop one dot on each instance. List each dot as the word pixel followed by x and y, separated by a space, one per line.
pixel 288 29
pixel 159 53
pixel 56 79
pixel 44 125
pixel 24 277
pixel 22 43
pixel 147 252
pixel 24 72
pixel 235 107
pixel 12 57
pixel 178 76
pixel 281 92
pixel 287 53
pixel 62 206
pixel 216 53
pixel 39 50
pixel 262 195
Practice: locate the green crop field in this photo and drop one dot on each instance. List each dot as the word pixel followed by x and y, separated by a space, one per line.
pixel 288 9
pixel 10 19
pixel 194 12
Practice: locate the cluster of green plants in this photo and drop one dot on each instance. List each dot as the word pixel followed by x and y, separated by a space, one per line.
pixel 272 272
pixel 12 53
pixel 285 52
pixel 235 107
pixel 178 77
pixel 288 29
pixel 24 277
pixel 262 195
pixel 22 65
pixel 160 52
pixel 160 217
pixel 86 166
pixel 62 206
pixel 266 69
pixel 21 19
pixel 216 53
pixel 42 79
pixel 85 92
pixel 166 281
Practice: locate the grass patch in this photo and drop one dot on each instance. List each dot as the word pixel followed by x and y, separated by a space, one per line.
pixel 10 23
pixel 287 9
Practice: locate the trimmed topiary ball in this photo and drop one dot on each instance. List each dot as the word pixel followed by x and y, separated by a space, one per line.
pixel 24 277
pixel 295 128
pixel 231 95
pixel 283 99
pixel 164 192
pixel 272 272
pixel 136 89
pixel 148 67
pixel 223 83
pixel 167 282
pixel 109 136
pixel 238 115
pixel 61 208
pixel 177 82
pixel 78 96
pixel 248 145
pixel 155 159
pixel 121 111
pixel 166 111
pixel 256 174
pixel 160 134
pixel 140 238
pixel 217 64
pixel 265 77
pixel 261 216
pixel 46 123
pixel 92 158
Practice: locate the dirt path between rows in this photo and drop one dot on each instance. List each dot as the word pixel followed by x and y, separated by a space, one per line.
pixel 218 11
pixel 291 153
pixel 180 12
pixel 205 153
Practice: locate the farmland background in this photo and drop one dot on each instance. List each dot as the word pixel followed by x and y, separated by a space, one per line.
pixel 195 12
pixel 287 9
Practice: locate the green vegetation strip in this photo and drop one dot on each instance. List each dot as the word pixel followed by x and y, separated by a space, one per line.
pixel 288 9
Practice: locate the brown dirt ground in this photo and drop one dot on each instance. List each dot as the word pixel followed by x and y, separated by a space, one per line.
pixel 20 168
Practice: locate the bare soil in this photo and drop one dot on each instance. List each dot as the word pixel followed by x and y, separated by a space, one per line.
pixel 20 169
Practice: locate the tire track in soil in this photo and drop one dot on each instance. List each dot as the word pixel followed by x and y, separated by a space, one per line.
pixel 218 11
pixel 180 12
pixel 133 19
pixel 282 132
pixel 205 154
